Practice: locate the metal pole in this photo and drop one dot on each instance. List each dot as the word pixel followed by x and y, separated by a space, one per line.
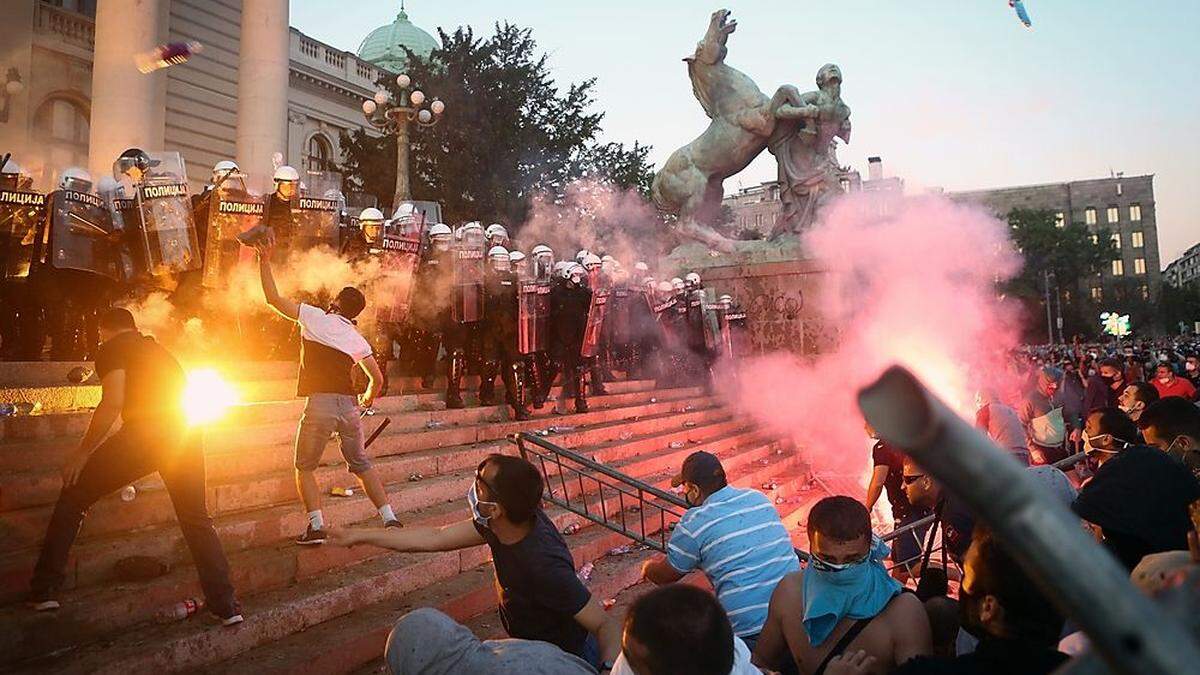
pixel 1049 318
pixel 403 191
pixel 1131 632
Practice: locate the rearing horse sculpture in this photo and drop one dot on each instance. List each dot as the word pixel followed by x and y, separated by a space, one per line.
pixel 689 184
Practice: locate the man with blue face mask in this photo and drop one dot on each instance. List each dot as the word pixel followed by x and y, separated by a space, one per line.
pixel 843 601
pixel 540 596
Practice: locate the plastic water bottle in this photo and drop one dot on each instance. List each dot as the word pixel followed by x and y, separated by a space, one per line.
pixel 7 410
pixel 181 610
pixel 128 493
pixel 169 54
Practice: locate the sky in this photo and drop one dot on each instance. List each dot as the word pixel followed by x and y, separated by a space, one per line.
pixel 950 93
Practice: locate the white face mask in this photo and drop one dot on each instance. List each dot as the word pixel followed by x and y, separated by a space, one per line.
pixel 473 500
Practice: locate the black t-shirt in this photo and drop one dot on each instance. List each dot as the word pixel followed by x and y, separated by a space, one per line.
pixel 958 523
pixel 993 656
pixel 887 455
pixel 154 380
pixel 537 587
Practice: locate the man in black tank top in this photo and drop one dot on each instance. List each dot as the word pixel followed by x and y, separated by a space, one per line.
pixel 330 347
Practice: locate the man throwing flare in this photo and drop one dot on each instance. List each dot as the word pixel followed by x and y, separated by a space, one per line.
pixel 330 347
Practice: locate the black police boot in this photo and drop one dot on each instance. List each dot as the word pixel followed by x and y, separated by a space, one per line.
pixel 514 389
pixel 597 378
pixel 581 404
pixel 487 382
pixel 454 377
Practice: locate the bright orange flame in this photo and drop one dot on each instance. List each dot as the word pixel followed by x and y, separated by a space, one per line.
pixel 207 396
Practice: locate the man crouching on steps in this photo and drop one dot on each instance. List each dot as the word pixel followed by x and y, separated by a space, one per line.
pixel 330 346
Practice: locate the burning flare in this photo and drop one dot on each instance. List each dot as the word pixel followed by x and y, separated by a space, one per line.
pixel 207 396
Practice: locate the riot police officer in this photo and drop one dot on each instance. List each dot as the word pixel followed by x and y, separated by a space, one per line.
pixel 570 299
pixel 431 303
pixel 597 279
pixel 368 235
pixel 466 308
pixel 498 335
pixel 21 210
pixel 279 209
pixel 496 235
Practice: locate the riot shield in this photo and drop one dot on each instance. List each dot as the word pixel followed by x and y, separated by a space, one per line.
pixel 735 339
pixel 595 323
pixel 21 212
pixel 131 253
pixel 620 316
pixel 400 254
pixel 533 316
pixel 168 233
pixel 78 235
pixel 467 302
pixel 232 210
pixel 697 322
pixel 316 213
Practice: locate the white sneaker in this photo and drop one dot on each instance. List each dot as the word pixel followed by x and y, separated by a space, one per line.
pixel 232 621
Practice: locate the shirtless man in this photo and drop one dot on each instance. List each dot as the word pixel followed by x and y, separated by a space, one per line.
pixel 854 604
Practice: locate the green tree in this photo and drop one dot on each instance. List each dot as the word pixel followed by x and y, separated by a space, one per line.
pixel 1070 256
pixel 509 132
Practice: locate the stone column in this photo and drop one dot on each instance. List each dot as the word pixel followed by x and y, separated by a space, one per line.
pixel 128 108
pixel 262 88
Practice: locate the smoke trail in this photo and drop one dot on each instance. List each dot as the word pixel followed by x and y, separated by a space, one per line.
pixel 916 288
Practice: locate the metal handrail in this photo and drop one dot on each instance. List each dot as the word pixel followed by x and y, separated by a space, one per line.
pixel 579 469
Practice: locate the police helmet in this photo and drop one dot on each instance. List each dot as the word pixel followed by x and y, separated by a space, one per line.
pixel 583 253
pixel 286 173
pixel 440 230
pixel 133 158
pixel 516 257
pixel 223 168
pixel 677 284
pixel 641 267
pixel 590 261
pixel 75 178
pixel 665 287
pixel 542 249
pixel 692 280
pixel 370 213
pixel 495 231
pixel 11 168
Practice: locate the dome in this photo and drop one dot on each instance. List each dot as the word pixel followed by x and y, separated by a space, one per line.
pixel 384 47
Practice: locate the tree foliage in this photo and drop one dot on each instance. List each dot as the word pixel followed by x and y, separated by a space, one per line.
pixel 509 132
pixel 1071 257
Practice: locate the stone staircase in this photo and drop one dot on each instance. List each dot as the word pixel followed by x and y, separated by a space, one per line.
pixel 321 609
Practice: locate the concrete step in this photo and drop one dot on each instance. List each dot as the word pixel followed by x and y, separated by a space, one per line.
pixel 275 614
pixel 249 512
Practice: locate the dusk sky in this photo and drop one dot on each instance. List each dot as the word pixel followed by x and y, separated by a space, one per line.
pixel 951 93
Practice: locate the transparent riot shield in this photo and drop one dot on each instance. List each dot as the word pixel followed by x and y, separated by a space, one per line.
pixel 735 338
pixel 232 210
pixel 78 235
pixel 21 213
pixel 168 233
pixel 316 213
pixel 533 316
pixel 467 300
pixel 697 337
pixel 131 252
pixel 595 322
pixel 400 254
pixel 619 322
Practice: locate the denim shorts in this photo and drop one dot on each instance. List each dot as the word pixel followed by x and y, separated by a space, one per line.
pixel 323 415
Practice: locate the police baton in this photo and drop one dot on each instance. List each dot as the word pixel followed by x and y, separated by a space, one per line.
pixel 378 430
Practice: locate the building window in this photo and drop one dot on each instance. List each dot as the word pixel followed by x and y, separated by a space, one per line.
pixel 1118 268
pixel 317 157
pixel 1060 220
pixel 1097 293
pixel 1089 215
pixel 1145 292
pixel 1139 265
pixel 61 127
pixel 1136 239
pixel 1135 212
pixel 1095 239
pixel 1116 240
pixel 1114 214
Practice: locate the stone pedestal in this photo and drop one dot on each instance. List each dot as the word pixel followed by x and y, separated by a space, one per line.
pixel 773 282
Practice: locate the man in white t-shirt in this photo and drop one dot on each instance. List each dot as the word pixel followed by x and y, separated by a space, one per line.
pixel 330 347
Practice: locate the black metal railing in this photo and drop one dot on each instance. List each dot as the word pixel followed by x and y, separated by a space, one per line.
pixel 601 494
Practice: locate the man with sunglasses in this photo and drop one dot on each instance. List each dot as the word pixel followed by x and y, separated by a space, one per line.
pixel 733 535
pixel 1138 500
pixel 843 601
pixel 954 519
pixel 540 596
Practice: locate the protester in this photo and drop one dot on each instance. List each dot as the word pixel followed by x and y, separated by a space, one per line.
pixel 954 518
pixel 427 642
pixel 1017 625
pixel 1041 413
pixel 888 473
pixel 1173 426
pixel 1136 396
pixel 843 601
pixel 1001 423
pixel 681 629
pixel 1139 497
pixel 1168 384
pixel 734 535
pixel 1191 368
pixel 330 347
pixel 540 596
pixel 143 385
pixel 1104 387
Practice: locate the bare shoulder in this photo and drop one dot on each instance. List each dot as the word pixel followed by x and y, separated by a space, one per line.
pixel 904 607
pixel 789 591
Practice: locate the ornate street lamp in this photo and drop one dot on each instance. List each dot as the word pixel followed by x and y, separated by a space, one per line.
pixel 394 117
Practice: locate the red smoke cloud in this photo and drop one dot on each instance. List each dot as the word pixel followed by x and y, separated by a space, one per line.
pixel 915 287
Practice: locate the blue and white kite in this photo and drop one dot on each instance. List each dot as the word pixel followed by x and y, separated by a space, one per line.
pixel 1019 6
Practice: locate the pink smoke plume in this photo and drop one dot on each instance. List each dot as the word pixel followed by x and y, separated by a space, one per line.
pixel 593 215
pixel 915 287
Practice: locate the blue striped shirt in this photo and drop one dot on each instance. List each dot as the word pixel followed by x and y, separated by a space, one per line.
pixel 736 538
